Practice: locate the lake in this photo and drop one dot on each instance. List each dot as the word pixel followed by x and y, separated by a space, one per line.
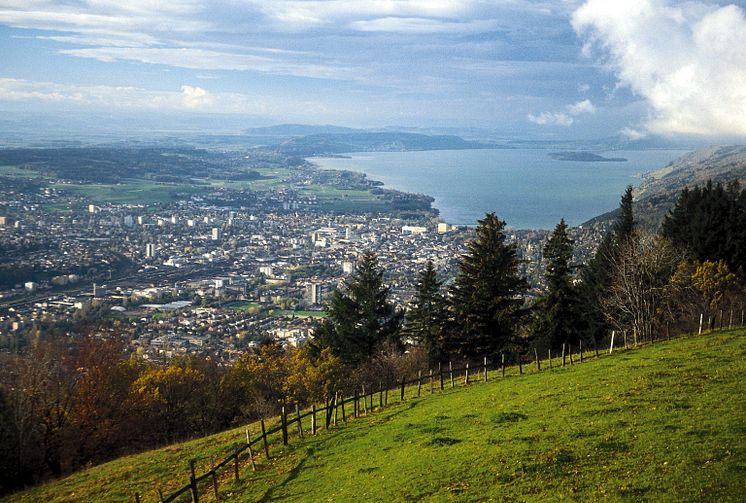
pixel 525 187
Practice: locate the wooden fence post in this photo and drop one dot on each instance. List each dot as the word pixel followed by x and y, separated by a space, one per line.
pixel 569 350
pixel 440 373
pixel 484 367
pixel 327 417
pixel 538 363
pixel 431 381
pixel 342 404
pixel 355 408
pixel 466 374
pixel 336 406
pixel 502 357
pixel 380 395
pixel 581 351
pixel 215 484
pixel 371 399
pixel 450 368
pixel 550 358
pixel 313 419
pixel 264 440
pixel 236 474
pixel 284 423
pixel 365 402
pixel 721 320
pixel 386 394
pixel 730 320
pixel 611 346
pixel 701 319
pixel 193 482
pixel 563 354
pixel 403 381
pixel 419 382
pixel 297 418
pixel 251 454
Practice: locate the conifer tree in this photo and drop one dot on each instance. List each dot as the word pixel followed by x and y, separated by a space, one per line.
pixel 710 224
pixel 360 317
pixel 558 310
pixel 486 297
pixel 425 320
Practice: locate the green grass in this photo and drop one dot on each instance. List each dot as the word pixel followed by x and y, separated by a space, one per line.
pixel 16 172
pixel 133 191
pixel 661 423
pixel 335 199
pixel 243 306
pixel 302 314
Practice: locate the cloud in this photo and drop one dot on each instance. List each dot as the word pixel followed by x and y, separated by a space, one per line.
pixel 632 134
pixel 581 107
pixel 687 60
pixel 551 119
pixel 563 118
pixel 122 97
pixel 207 59
pixel 195 97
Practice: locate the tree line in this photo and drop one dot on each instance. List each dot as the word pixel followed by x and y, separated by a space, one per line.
pixel 66 402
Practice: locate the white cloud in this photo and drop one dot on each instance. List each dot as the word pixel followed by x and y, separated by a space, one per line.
pixel 563 118
pixel 551 119
pixel 195 97
pixel 206 59
pixel 56 96
pixel 581 107
pixel 632 134
pixel 687 60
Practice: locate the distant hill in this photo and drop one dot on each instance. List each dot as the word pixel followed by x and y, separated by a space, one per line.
pixel 297 130
pixel 363 141
pixel 658 191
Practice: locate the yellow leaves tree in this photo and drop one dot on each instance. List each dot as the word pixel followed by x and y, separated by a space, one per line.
pixel 714 281
pixel 170 398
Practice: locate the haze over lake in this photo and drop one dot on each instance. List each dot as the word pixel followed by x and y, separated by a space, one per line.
pixel 525 187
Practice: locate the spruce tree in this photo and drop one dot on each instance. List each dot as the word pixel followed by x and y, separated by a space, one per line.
pixel 558 309
pixel 425 320
pixel 359 316
pixel 486 297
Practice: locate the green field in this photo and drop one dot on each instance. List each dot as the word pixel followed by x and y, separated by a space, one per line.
pixel 243 306
pixel 16 172
pixel 301 314
pixel 342 200
pixel 660 423
pixel 132 191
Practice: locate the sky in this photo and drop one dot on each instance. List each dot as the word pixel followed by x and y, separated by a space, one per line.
pixel 562 68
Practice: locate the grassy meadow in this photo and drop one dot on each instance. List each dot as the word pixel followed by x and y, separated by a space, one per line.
pixel 660 423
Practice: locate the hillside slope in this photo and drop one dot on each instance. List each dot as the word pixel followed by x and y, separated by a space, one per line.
pixel 659 190
pixel 660 423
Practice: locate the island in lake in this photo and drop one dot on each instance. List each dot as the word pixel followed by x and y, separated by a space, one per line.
pixel 584 157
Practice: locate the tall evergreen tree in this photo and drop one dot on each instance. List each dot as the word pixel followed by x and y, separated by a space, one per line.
pixel 486 297
pixel 597 275
pixel 425 320
pixel 710 224
pixel 558 311
pixel 360 317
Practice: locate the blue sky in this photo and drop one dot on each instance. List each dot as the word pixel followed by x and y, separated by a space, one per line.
pixel 557 68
